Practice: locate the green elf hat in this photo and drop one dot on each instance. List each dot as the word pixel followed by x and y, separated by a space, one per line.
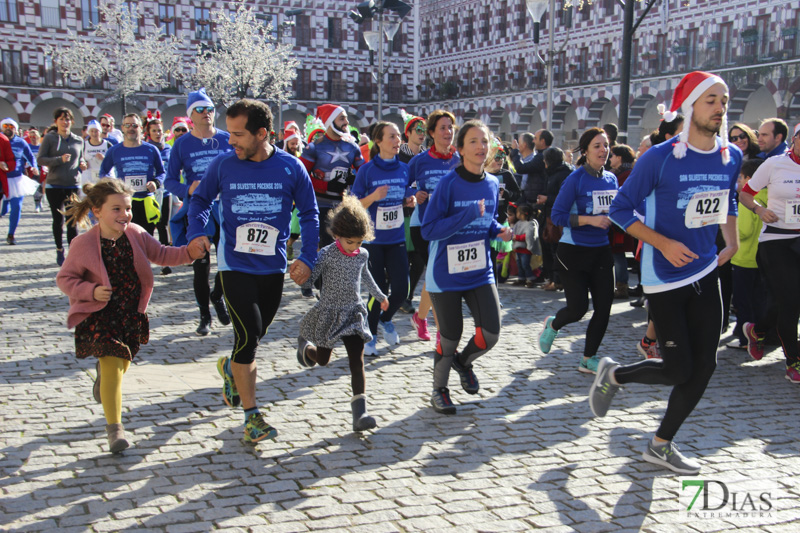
pixel 313 126
pixel 409 120
pixel 495 145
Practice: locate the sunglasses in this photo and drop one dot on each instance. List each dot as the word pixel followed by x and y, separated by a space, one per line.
pixel 202 109
pixel 499 157
pixel 421 130
pixel 131 126
pixel 740 137
pixel 181 130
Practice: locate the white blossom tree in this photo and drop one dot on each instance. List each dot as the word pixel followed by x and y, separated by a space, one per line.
pixel 131 59
pixel 246 61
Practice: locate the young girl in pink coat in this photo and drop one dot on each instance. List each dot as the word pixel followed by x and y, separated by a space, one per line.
pixel 109 281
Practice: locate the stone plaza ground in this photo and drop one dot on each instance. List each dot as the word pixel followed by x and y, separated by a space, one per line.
pixel 523 454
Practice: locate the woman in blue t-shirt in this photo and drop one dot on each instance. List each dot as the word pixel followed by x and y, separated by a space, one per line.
pixel 382 186
pixel 583 256
pixel 459 222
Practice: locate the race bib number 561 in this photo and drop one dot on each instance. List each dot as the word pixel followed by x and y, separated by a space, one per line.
pixel 256 238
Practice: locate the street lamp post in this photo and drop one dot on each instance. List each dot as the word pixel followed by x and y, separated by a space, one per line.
pixel 283 26
pixel 374 40
pixel 537 9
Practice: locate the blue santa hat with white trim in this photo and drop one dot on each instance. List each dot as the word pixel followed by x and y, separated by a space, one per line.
pixel 198 98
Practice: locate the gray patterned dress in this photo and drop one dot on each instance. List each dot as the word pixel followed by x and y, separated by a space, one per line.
pixel 340 311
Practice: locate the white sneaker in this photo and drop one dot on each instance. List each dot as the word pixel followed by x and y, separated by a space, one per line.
pixel 389 333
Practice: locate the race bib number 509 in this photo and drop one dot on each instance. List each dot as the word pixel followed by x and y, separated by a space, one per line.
pixel 256 238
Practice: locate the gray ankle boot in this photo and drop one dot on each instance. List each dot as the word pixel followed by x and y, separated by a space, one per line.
pixel 361 420
pixel 116 438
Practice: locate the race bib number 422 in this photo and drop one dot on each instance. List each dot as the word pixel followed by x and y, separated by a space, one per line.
pixel 707 207
pixel 256 238
pixel 466 257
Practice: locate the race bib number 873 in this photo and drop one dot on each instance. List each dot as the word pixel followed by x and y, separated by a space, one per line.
pixel 256 238
pixel 466 257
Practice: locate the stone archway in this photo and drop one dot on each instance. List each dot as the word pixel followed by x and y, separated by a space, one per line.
pixel 643 118
pixel 760 105
pixel 565 125
pixel 496 118
pixel 7 110
pixel 42 115
pixel 601 111
pixel 793 113
pixel 114 108
pixel 530 118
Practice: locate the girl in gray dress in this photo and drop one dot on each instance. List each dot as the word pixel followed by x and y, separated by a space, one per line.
pixel 341 312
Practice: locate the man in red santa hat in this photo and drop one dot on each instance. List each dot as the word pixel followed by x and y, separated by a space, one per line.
pixel 688 186
pixel 331 163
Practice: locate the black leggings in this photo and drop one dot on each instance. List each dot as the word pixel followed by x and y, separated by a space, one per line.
pixel 421 246
pixel 781 269
pixel 163 224
pixel 586 270
pixel 354 345
pixel 688 322
pixel 252 302
pixel 388 259
pixel 140 216
pixel 59 202
pixel 202 270
pixel 484 304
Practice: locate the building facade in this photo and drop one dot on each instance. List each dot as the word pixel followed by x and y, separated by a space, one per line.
pixel 472 57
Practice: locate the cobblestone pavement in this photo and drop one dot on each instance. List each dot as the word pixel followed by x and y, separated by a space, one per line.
pixel 523 454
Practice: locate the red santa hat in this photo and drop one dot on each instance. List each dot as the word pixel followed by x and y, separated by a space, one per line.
pixel 290 125
pixel 690 88
pixel 293 134
pixel 180 122
pixel 327 113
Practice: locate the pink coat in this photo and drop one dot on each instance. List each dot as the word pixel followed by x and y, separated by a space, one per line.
pixel 83 270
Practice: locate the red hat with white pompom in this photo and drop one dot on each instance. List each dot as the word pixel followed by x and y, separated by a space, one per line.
pixel 327 113
pixel 690 88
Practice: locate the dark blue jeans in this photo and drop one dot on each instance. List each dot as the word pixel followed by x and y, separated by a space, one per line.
pixel 387 260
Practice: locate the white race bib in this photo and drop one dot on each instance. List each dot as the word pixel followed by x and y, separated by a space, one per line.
pixel 95 175
pixel 256 238
pixel 137 183
pixel 707 207
pixel 601 201
pixel 389 217
pixel 466 257
pixel 792 212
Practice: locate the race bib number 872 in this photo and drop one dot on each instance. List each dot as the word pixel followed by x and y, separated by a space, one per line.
pixel 256 238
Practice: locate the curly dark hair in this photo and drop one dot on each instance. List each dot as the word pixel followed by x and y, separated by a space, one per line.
pixel 350 220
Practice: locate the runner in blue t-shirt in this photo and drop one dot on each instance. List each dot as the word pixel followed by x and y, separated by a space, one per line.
pixel 459 222
pixel 425 171
pixel 331 163
pixel 382 186
pixel 139 165
pixel 256 186
pixel 689 190
pixel 190 156
pixel 583 257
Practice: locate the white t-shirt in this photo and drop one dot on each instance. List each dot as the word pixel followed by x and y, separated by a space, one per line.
pixel 781 176
pixel 94 158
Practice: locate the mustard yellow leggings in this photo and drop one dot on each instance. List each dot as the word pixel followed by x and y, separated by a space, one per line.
pixel 111 371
